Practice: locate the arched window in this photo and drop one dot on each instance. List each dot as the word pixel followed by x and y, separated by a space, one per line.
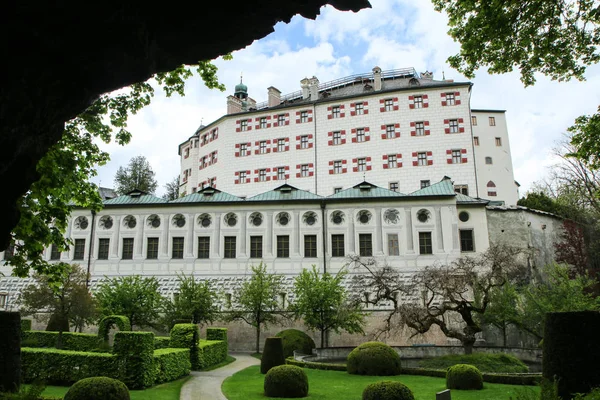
pixel 491 189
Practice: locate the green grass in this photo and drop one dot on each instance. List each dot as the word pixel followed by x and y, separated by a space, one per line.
pixel 227 361
pixel 484 362
pixel 165 391
pixel 333 385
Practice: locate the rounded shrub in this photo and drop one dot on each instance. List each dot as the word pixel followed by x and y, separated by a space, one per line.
pixel 387 390
pixel 98 388
pixel 286 381
pixel 272 354
pixel 464 377
pixel 373 358
pixel 295 340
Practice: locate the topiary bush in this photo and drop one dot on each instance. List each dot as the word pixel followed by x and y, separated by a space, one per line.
pixel 98 388
pixel 464 377
pixel 295 340
pixel 387 390
pixel 121 321
pixel 10 351
pixel 272 354
pixel 373 358
pixel 286 381
pixel 136 350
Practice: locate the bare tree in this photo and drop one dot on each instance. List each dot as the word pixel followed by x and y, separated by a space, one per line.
pixel 438 292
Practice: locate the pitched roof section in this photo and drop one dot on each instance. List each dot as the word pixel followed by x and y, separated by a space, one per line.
pixel 463 199
pixel 285 192
pixel 134 197
pixel 365 190
pixel 442 188
pixel 207 195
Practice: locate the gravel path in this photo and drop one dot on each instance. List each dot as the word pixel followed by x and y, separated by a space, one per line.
pixel 207 385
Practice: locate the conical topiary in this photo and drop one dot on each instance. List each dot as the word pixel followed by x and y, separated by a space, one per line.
pixel 272 354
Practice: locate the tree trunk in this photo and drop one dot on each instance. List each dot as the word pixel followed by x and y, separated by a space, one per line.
pixel 468 345
pixel 504 334
pixel 258 338
pixel 322 338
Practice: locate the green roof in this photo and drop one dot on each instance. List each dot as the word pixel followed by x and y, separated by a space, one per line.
pixel 207 195
pixel 463 199
pixel 365 190
pixel 285 192
pixel 442 188
pixel 134 197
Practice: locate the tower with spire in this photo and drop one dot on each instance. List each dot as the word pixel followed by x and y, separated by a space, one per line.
pixel 240 101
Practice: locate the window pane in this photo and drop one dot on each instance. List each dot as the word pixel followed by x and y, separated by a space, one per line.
pixel 310 245
pixel 79 249
pixel 103 245
pixel 177 247
pixel 54 253
pixel 466 240
pixel 127 253
pixel 365 245
pixel 337 246
pixel 229 244
pixel 393 249
pixel 256 246
pixel 283 246
pixel 425 246
pixel 152 249
pixel 203 246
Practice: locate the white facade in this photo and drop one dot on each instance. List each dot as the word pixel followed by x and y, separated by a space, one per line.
pixel 403 133
pixel 493 160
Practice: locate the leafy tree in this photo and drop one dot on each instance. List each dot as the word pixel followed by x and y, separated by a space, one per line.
pixel 257 300
pixel 66 169
pixel 558 38
pixel 172 189
pixel 586 138
pixel 67 299
pixel 461 289
pixel 540 201
pixel 134 296
pixel 195 301
pixel 322 302
pixel 137 175
pixel 502 309
pixel 555 291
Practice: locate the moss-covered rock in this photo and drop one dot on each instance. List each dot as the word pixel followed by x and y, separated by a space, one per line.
pixel 374 358
pixel 286 381
pixel 272 354
pixel 295 340
pixel 387 390
pixel 464 377
pixel 98 388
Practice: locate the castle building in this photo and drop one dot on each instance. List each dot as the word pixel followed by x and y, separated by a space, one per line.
pixel 396 129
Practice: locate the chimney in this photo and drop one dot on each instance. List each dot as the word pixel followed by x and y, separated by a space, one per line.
pixel 313 88
pixel 274 96
pixel 304 86
pixel 234 105
pixel 377 78
pixel 427 75
pixel 251 103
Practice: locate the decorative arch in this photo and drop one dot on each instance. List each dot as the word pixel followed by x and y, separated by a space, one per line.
pixel 491 184
pixel 106 323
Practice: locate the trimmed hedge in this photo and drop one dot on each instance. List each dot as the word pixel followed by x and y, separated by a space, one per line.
pixel 182 336
pixel 162 342
pixel 286 381
pixel 25 325
pixel 211 352
pixel 316 365
pixel 272 355
pixel 136 349
pixel 10 349
pixel 216 334
pixel 571 351
pixel 70 340
pixel 464 377
pixel 121 321
pixel 171 364
pixel 296 340
pixel 496 363
pixel 98 388
pixel 387 390
pixel 374 358
pixel 65 367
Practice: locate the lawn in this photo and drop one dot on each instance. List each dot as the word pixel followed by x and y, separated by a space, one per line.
pixel 165 391
pixel 333 385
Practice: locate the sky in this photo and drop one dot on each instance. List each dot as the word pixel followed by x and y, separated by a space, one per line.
pixel 392 34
